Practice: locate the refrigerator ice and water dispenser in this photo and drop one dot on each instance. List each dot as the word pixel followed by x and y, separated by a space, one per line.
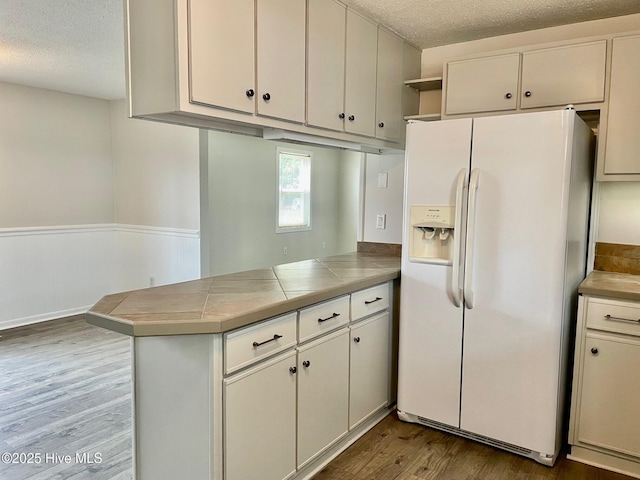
pixel 432 233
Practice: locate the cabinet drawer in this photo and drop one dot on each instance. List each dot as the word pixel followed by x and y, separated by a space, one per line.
pixel 613 316
pixel 369 301
pixel 245 346
pixel 323 318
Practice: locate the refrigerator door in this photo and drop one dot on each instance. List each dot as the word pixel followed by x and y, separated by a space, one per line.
pixel 430 322
pixel 512 333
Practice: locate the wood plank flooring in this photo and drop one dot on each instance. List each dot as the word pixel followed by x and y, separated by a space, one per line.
pixel 65 388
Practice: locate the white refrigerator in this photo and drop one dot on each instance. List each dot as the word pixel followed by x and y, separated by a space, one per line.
pixel 494 247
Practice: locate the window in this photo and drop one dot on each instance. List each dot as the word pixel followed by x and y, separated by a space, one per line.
pixel 294 191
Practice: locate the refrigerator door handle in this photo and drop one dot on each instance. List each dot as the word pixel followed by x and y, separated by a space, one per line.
pixel 471 227
pixel 461 185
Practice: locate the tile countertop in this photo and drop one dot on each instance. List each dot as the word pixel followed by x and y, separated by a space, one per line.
pixel 222 303
pixel 623 286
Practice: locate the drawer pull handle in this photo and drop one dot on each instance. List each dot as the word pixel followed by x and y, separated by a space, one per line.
pixel 367 302
pixel 356 339
pixel 620 319
pixel 320 320
pixel 306 364
pixel 292 370
pixel 275 337
pixel 594 351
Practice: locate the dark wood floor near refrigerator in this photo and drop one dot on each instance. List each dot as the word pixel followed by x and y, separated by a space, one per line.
pixel 65 387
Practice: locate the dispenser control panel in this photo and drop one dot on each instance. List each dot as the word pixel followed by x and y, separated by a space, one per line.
pixel 433 216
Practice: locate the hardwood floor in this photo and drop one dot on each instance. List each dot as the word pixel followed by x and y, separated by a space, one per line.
pixel 65 388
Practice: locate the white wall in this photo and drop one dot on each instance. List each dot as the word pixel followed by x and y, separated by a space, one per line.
pixel 619 213
pixel 157 201
pixel 619 203
pixel 61 244
pixel 387 201
pixel 55 159
pixel 242 206
pixel 156 177
pixel 349 167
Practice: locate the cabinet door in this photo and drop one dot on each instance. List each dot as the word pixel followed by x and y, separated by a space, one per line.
pixel 280 58
pixel 609 413
pixel 563 75
pixel 323 389
pixel 219 75
pixel 369 368
pixel 360 85
pixel 482 84
pixel 389 121
pixel 325 64
pixel 260 421
pixel 622 152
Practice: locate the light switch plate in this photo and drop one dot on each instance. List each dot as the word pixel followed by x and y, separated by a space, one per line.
pixel 381 221
pixel 383 179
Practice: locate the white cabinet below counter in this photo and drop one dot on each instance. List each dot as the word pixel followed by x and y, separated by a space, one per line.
pixel 605 418
pixel 273 400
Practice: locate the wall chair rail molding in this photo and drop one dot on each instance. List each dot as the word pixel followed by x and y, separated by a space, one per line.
pixel 50 272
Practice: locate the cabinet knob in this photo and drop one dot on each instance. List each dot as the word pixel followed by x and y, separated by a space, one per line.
pixel 293 370
pixel 306 364
pixel 381 124
pixel 352 118
pixel 508 95
pixel 594 351
pixel 266 97
pixel 356 339
pixel 527 93
pixel 250 93
pixel 341 116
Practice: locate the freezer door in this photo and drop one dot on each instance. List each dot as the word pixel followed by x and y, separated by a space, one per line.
pixel 512 333
pixel 430 323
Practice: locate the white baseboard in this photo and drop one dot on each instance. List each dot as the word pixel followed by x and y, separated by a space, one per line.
pixel 44 317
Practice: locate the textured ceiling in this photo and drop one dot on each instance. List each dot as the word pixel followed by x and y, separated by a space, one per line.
pixel 76 46
pixel 429 23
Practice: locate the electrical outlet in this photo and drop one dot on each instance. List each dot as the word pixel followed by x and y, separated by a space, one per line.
pixel 381 221
pixel 152 281
pixel 284 250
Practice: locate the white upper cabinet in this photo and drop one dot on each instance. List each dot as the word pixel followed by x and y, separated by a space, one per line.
pixel 221 76
pixel 280 58
pixel 389 82
pixel 564 75
pixel 360 85
pixel 622 149
pixel 485 84
pixel 265 68
pixel 325 64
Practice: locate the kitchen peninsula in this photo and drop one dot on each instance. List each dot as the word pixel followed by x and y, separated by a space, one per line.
pixel 263 374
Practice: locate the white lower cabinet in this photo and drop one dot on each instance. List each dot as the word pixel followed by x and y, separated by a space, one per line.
pixel 323 393
pixel 289 409
pixel 605 418
pixel 609 412
pixel 369 368
pixel 260 421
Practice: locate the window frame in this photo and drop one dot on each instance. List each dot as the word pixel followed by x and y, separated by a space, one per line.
pixel 290 229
